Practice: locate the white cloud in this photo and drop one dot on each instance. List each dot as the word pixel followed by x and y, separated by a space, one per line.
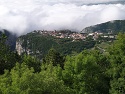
pixel 21 16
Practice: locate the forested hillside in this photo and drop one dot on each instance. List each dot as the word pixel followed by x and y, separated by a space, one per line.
pixel 38 45
pixel 111 26
pixel 89 72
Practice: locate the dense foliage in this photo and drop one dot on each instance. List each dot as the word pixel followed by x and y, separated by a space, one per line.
pixel 117 68
pixel 89 72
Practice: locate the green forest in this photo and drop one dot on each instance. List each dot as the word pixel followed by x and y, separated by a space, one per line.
pixel 88 72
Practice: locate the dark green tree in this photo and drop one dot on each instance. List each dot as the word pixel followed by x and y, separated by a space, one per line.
pixel 7 57
pixel 54 57
pixel 32 62
pixel 85 73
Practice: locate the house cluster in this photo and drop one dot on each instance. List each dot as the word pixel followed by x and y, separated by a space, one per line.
pixel 65 34
pixel 96 35
pixel 74 35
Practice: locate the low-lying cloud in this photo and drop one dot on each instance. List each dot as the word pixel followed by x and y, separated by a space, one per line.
pixel 21 17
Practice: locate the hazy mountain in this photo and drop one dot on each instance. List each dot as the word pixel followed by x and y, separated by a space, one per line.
pixel 106 3
pixel 111 26
pixel 11 38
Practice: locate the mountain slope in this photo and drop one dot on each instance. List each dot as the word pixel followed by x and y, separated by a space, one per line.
pixel 11 38
pixel 111 26
pixel 36 44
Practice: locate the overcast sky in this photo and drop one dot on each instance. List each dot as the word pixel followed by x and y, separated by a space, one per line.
pixel 22 16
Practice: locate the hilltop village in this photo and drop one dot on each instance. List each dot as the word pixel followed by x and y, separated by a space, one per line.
pixel 76 35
